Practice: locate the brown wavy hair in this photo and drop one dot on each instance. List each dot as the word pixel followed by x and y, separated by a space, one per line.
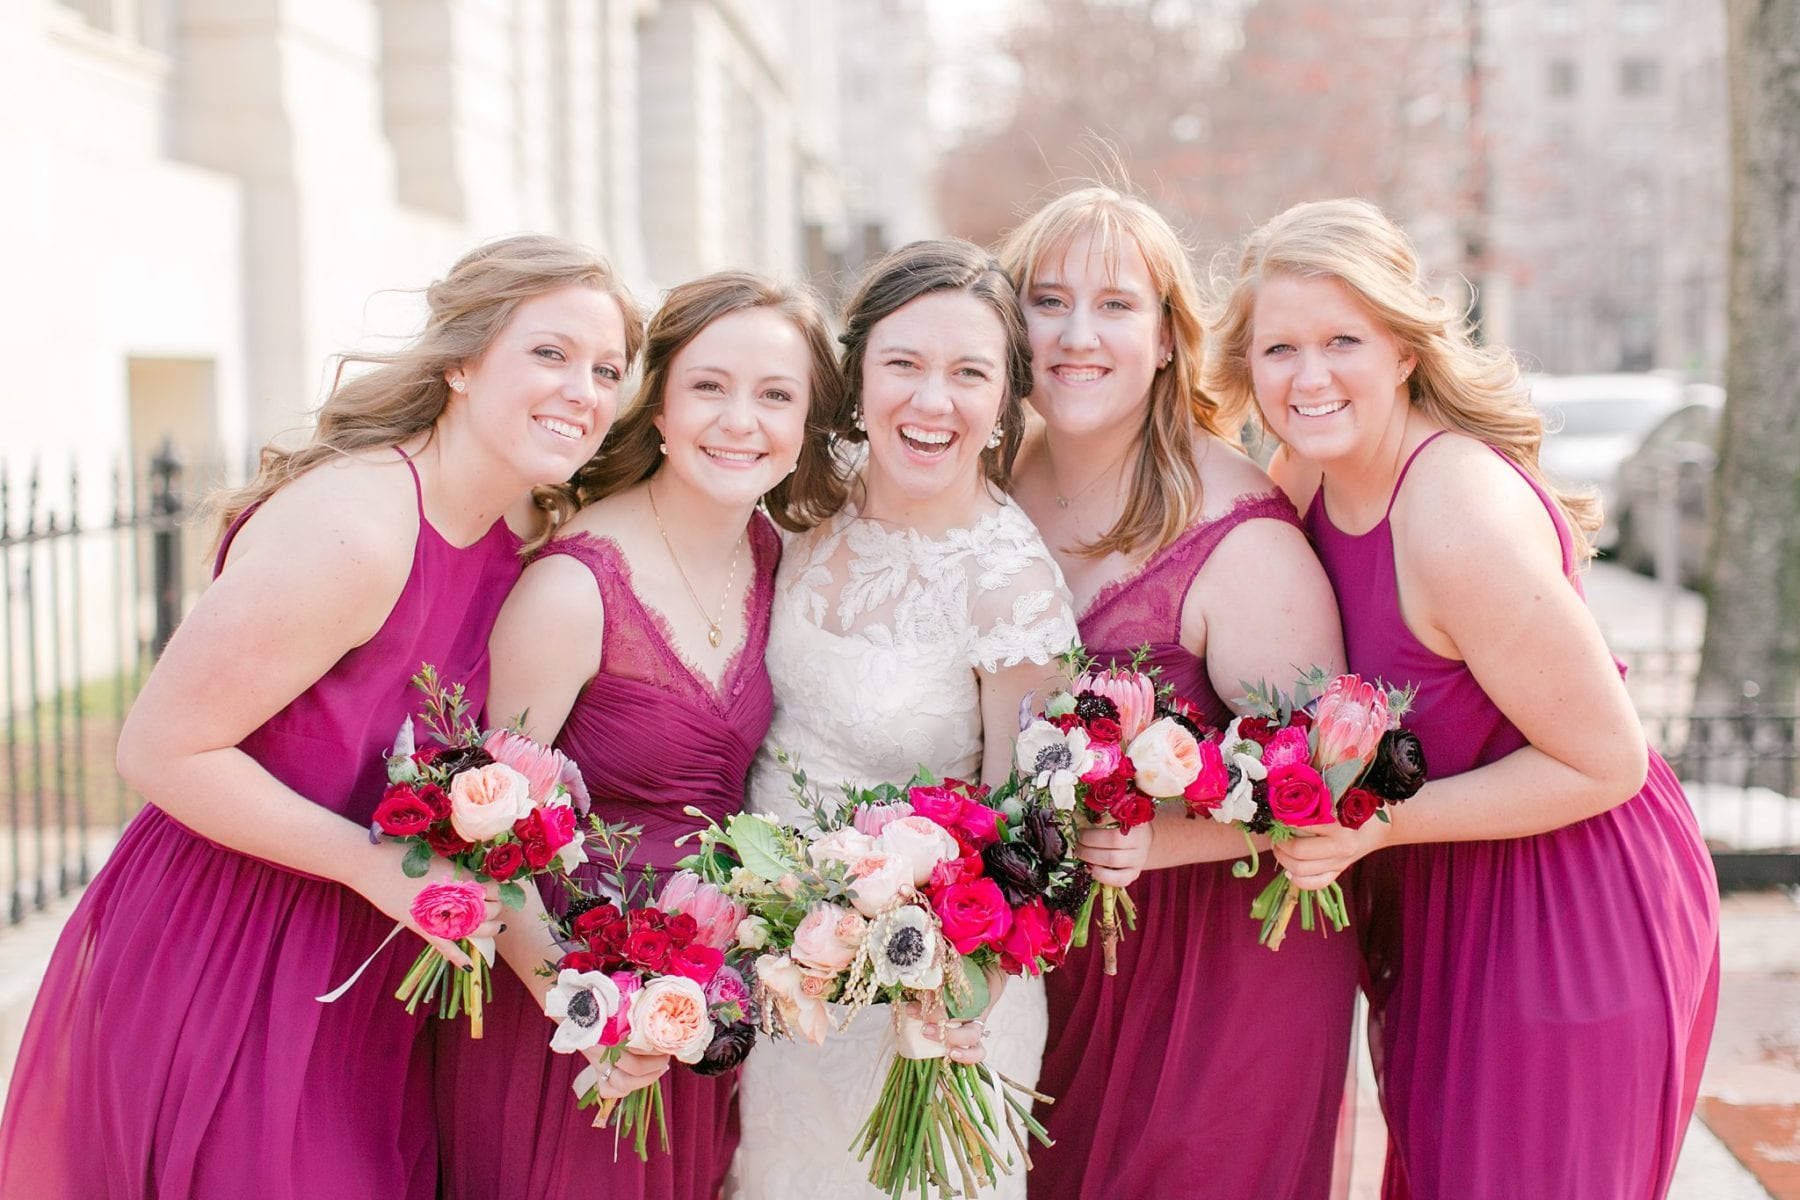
pixel 632 452
pixel 405 392
pixel 1474 390
pixel 1165 495
pixel 922 269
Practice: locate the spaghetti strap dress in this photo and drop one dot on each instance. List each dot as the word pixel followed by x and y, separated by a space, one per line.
pixel 1209 1065
pixel 176 1048
pixel 1540 1007
pixel 651 736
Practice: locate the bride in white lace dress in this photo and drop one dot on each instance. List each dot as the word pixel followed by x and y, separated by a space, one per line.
pixel 905 625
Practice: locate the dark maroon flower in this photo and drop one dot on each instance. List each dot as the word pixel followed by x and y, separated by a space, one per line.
pixel 1104 729
pixel 1398 771
pixel 1017 870
pixel 1357 806
pixel 454 760
pixel 1042 833
pixel 1090 706
pixel 729 1047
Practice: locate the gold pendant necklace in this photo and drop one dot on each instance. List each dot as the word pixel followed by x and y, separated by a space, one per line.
pixel 714 634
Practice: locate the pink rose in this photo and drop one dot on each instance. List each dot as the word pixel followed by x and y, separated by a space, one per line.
pixel 451 911
pixel 797 1003
pixel 1298 796
pixel 1132 694
pixel 817 943
pixel 485 801
pixel 1287 748
pixel 840 845
pixel 878 881
pixel 697 961
pixel 1165 759
pixel 937 803
pixel 1031 936
pixel 668 1016
pixel 543 767
pixel 716 915
pixel 618 1026
pixel 1210 785
pixel 1350 719
pixel 871 819
pixel 1106 757
pixel 922 843
pixel 973 914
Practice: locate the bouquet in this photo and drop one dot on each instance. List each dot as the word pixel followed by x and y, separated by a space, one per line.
pixel 656 978
pixel 1333 751
pixel 1114 746
pixel 902 894
pixel 497 805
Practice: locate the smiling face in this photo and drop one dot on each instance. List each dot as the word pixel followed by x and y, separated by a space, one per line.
pixel 546 391
pixel 1328 374
pixel 1097 337
pixel 933 383
pixel 734 406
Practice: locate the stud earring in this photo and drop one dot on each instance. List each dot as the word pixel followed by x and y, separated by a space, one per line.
pixel 662 447
pixel 458 386
pixel 996 435
pixel 1167 359
pixel 857 420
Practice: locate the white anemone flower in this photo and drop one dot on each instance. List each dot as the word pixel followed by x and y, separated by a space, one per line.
pixel 1054 759
pixel 581 1004
pixel 1246 755
pixel 904 945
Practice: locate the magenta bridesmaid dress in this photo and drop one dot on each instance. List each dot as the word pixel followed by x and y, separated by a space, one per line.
pixel 651 737
pixel 1540 1007
pixel 176 1048
pixel 1209 1065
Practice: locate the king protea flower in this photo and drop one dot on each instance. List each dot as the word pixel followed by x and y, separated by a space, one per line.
pixel 1349 721
pixel 716 913
pixel 1131 693
pixel 543 767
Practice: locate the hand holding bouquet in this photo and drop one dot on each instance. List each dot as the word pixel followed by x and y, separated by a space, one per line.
pixel 1333 751
pixel 499 808
pixel 654 979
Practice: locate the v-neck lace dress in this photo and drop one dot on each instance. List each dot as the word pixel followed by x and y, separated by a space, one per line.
pixel 651 736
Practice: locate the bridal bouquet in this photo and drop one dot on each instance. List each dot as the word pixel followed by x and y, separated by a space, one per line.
pixel 1332 751
pixel 1114 746
pixel 497 805
pixel 915 894
pixel 657 978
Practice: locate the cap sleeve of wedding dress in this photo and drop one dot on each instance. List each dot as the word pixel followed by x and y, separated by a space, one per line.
pixel 1021 605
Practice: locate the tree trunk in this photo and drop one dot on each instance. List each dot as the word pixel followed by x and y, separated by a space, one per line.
pixel 1753 615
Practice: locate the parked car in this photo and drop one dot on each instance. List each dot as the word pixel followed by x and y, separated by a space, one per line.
pixel 1592 422
pixel 1669 478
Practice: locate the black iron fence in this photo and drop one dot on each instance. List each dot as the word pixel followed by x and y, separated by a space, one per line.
pixel 85 606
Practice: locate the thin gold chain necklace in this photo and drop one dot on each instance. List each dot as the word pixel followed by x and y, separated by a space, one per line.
pixel 1063 501
pixel 713 633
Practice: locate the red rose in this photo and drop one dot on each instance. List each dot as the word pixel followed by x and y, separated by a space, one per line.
pixel 1065 722
pixel 1062 931
pixel 402 813
pixel 1260 730
pixel 579 960
pixel 682 929
pixel 973 914
pixel 443 839
pixel 427 754
pixel 1357 807
pixel 610 938
pixel 648 948
pixel 1031 934
pixel 1103 729
pixel 503 861
pixel 595 919
pixel 952 871
pixel 538 850
pixel 1298 796
pixel 698 962
pixel 1210 786
pixel 437 800
pixel 1102 794
pixel 1132 809
pixel 1300 720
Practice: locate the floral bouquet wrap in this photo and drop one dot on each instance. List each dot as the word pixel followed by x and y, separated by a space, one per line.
pixel 660 977
pixel 1331 751
pixel 1114 746
pixel 919 893
pixel 498 806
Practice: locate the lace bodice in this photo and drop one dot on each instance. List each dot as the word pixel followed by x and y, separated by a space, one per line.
pixel 876 638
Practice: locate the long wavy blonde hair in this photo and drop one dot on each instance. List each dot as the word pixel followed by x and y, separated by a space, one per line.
pixel 1474 390
pixel 405 392
pixel 1165 495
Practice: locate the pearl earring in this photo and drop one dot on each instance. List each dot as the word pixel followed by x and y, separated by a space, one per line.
pixel 857 420
pixel 662 447
pixel 995 436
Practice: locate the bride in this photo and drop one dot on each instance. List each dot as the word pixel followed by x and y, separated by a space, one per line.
pixel 906 625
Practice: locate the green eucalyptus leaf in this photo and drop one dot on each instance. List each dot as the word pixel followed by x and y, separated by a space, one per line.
pixel 758 845
pixel 418 858
pixel 977 1002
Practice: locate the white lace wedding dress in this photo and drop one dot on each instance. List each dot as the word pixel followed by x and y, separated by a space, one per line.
pixel 874 645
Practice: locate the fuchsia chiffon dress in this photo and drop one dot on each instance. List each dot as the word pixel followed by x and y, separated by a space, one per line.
pixel 651 737
pixel 1209 1065
pixel 1540 1006
pixel 176 1049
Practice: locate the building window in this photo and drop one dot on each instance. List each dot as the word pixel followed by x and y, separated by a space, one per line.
pixel 1562 77
pixel 1640 77
pixel 1642 16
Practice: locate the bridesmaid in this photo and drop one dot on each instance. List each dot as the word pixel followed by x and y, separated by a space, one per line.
pixel 1541 930
pixel 635 642
pixel 1170 1071
pixel 176 1048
